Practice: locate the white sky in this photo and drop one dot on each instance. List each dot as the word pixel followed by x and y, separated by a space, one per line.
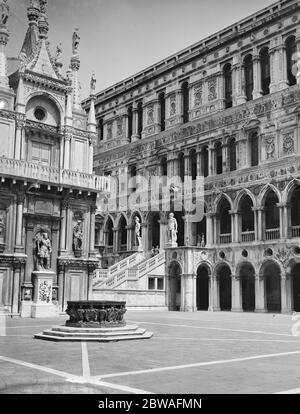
pixel 122 37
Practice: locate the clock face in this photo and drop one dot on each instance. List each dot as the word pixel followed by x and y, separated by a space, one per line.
pixel 2 104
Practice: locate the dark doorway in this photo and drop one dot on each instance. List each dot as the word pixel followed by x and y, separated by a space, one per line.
pixel 296 288
pixel 202 289
pixel 273 287
pixel 248 287
pixel 225 288
pixel 175 287
pixel 154 231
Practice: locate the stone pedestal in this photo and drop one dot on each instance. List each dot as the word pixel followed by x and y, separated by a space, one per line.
pixel 171 244
pixel 42 300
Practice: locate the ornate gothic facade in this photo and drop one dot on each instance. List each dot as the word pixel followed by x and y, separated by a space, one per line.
pixel 226 108
pixel 47 187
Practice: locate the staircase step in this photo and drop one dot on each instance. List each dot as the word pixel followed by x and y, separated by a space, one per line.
pixel 71 329
pixel 50 332
pixel 116 338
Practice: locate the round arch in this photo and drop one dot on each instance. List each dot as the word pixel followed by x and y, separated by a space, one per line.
pixel 223 273
pixel 44 97
pixel 202 286
pixel 246 271
pixel 271 272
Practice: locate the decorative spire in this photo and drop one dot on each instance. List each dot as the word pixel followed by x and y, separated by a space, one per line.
pixel 58 57
pixel 33 12
pixel 92 115
pixel 75 66
pixel 43 20
pixel 75 41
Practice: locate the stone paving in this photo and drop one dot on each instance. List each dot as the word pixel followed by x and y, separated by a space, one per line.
pixel 198 353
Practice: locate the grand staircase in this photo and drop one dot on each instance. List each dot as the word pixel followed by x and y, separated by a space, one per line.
pixel 129 280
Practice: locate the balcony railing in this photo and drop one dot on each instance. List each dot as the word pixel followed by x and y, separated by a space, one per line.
pixel 248 236
pixel 109 249
pixel 56 176
pixel 272 234
pixel 123 248
pixel 225 238
pixel 295 231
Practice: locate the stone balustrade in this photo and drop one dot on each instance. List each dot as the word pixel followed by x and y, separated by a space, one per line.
pixel 55 176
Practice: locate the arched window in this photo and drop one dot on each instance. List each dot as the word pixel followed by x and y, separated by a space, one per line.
pixel 248 65
pixel 205 161
pixel 162 111
pixel 228 85
pixel 109 233
pixel 218 158
pixel 122 235
pixel 254 149
pixel 295 212
pixel 140 118
pixel 164 167
pixel 132 184
pixel 181 166
pixel 265 70
pixel 130 120
pixel 193 160
pixel 232 154
pixel 224 221
pixel 185 101
pixel 247 219
pixel 271 216
pixel 100 130
pixel 291 50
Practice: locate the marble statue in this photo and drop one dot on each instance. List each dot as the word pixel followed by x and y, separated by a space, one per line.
pixel 59 52
pixel 203 240
pixel 77 236
pixel 43 250
pixel 4 12
pixel 172 229
pixel 76 41
pixel 137 230
pixel 93 83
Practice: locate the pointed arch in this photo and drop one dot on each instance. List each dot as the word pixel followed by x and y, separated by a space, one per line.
pixel 289 189
pixel 264 192
pixel 241 194
pixel 219 199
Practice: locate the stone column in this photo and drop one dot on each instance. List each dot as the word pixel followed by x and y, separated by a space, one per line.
pixel 189 296
pixel 283 81
pixel 209 230
pixel 61 276
pixel 187 164
pixel 135 121
pixel 16 288
pixel 214 294
pixel 284 294
pixel 236 294
pixel 298 55
pixel 91 271
pixel 19 140
pixel 199 162
pixel 116 240
pixel 19 223
pixel 225 158
pixel 235 225
pixel 260 299
pixel 211 167
pixel 255 222
pixel 126 119
pixel 63 225
pixel 91 154
pixel 216 233
pixel 257 90
pixel 281 224
pixel 260 226
pixel 67 151
pixel 92 252
pixel 238 69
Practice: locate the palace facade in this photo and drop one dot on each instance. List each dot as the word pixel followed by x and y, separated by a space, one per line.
pixel 226 108
pixel 48 190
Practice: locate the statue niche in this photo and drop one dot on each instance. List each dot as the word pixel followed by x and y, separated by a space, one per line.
pixel 43 250
pixel 77 239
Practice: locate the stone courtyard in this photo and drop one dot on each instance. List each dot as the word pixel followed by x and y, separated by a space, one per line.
pixel 190 353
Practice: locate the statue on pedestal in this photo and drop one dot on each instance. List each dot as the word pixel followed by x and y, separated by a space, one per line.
pixel 43 250
pixel 93 83
pixel 137 229
pixel 172 229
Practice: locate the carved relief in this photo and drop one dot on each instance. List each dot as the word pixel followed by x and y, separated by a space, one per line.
pixel 77 238
pixel 173 109
pixel 109 130
pixel 288 145
pixel 198 91
pixel 45 291
pixel 212 89
pixel 270 146
pixel 150 115
pixel 119 126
